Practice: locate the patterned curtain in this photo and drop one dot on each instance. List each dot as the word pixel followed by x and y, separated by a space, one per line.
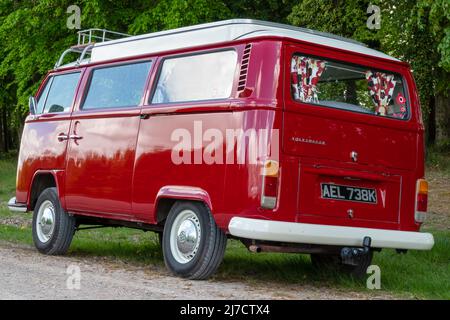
pixel 381 89
pixel 306 73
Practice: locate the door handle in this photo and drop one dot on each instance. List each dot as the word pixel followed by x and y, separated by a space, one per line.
pixel 63 137
pixel 75 137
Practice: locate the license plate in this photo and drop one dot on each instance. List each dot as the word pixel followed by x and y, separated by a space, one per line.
pixel 348 193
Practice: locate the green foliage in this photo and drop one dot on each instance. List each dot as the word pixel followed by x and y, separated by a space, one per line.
pixel 417 32
pixel 169 14
pixel 345 18
pixel 33 33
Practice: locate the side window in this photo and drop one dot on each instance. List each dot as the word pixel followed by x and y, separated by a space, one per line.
pixel 349 87
pixel 197 77
pixel 43 96
pixel 61 91
pixel 118 86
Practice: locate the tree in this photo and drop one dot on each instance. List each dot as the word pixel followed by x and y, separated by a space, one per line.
pixel 415 32
pixel 419 33
pixel 344 18
pixel 33 33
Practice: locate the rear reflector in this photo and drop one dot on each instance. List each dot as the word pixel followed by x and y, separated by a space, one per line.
pixel 421 200
pixel 270 175
pixel 270 186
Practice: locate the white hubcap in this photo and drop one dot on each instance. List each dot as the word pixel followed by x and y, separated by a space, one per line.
pixel 45 221
pixel 185 236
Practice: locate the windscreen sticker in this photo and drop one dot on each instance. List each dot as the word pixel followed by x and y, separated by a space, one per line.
pixel 381 88
pixel 306 73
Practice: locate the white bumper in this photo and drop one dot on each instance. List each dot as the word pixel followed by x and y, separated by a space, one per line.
pixel 327 235
pixel 17 207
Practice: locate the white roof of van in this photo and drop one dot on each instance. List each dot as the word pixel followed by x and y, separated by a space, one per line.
pixel 216 32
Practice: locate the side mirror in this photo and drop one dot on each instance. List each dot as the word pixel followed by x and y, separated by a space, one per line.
pixel 32 105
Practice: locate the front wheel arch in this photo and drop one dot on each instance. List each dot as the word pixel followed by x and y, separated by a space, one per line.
pixel 40 182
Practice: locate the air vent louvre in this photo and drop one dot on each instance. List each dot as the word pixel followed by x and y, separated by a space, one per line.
pixel 244 68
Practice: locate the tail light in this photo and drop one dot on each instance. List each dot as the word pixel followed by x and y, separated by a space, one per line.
pixel 421 200
pixel 270 176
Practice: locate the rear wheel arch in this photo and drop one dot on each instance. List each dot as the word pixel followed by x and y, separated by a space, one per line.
pixel 169 195
pixel 164 205
pixel 163 208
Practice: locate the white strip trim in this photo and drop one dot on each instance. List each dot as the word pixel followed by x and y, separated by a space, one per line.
pixel 270 230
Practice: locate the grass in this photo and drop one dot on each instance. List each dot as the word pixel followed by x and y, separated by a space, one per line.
pixel 7 182
pixel 417 274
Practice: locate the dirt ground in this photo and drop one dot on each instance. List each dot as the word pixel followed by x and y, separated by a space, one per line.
pixel 438 201
pixel 26 274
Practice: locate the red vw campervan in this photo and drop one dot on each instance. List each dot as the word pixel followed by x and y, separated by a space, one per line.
pixel 285 138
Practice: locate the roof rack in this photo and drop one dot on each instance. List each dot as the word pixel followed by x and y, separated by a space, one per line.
pixel 86 41
pixel 98 35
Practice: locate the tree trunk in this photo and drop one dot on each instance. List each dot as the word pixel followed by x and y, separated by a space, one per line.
pixel 1 134
pixel 431 121
pixel 443 118
pixel 5 130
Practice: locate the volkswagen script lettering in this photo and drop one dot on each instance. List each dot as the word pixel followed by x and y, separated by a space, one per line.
pixel 308 140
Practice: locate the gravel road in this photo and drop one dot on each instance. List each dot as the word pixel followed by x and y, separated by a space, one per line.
pixel 26 274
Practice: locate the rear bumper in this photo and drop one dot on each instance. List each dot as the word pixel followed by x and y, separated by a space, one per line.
pixel 17 207
pixel 305 233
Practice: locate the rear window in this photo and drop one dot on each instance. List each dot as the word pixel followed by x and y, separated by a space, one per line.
pixel 198 77
pixel 349 87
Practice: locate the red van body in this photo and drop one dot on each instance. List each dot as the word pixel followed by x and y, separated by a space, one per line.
pixel 113 166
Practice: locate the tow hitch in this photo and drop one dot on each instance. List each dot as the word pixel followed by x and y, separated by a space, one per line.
pixel 354 256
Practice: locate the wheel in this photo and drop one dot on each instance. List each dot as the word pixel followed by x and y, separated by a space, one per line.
pixel 331 261
pixel 193 245
pixel 52 227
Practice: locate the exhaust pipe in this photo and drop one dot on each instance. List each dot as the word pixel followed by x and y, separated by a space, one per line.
pixel 254 248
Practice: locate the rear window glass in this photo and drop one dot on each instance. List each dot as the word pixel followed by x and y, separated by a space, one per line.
pixel 118 86
pixel 348 87
pixel 198 77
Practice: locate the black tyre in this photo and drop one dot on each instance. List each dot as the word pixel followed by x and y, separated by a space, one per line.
pixel 330 261
pixel 52 227
pixel 193 245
